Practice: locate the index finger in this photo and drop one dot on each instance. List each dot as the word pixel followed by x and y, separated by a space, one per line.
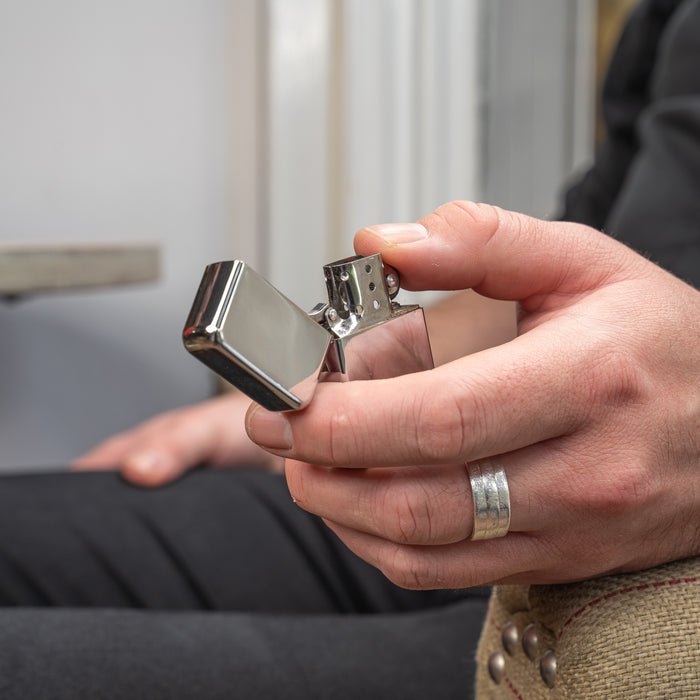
pixel 492 402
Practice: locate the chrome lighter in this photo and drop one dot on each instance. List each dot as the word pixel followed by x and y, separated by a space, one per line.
pixel 248 332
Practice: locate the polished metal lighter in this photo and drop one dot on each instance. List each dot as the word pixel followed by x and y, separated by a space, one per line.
pixel 248 332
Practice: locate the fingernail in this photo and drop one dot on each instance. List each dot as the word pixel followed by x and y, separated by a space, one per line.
pixel 145 463
pixel 269 429
pixel 400 233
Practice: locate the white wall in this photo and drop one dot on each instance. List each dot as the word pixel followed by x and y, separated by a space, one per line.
pixel 127 120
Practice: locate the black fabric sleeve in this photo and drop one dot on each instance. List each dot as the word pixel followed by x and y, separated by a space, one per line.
pixel 626 94
pixel 657 210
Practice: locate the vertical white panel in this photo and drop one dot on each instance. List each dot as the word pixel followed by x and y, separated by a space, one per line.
pixel 297 163
pixel 379 61
pixel 399 121
pixel 410 79
pixel 448 103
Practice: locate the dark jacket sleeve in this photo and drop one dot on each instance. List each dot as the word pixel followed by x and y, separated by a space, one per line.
pixel 644 187
pixel 657 210
pixel 626 94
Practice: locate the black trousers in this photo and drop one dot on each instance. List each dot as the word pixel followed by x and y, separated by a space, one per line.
pixel 216 586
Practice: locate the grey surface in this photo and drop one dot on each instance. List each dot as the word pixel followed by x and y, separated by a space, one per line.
pixel 35 268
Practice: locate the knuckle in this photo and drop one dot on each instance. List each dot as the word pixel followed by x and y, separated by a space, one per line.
pixel 630 488
pixel 621 485
pixel 610 375
pixel 295 474
pixel 440 428
pixel 410 521
pixel 458 213
pixel 340 438
pixel 407 569
pixel 346 444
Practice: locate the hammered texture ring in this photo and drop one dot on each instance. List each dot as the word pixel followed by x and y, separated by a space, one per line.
pixel 491 499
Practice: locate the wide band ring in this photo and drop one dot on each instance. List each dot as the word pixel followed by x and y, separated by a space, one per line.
pixel 491 499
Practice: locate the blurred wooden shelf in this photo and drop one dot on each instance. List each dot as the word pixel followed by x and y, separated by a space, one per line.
pixel 33 268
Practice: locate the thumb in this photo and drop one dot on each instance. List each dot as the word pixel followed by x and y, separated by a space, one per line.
pixel 500 254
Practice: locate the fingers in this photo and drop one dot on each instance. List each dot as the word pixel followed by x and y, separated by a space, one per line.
pixel 411 505
pixel 412 523
pixel 573 514
pixel 163 448
pixel 433 505
pixel 499 253
pixel 490 403
pixel 512 559
pixel 415 523
pixel 154 453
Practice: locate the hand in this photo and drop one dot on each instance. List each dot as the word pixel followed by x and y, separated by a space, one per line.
pixel 593 410
pixel 164 447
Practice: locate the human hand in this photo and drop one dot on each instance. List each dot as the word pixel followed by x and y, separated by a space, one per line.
pixel 593 410
pixel 164 447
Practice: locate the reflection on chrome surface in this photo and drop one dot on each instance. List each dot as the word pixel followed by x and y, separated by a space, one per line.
pixel 248 332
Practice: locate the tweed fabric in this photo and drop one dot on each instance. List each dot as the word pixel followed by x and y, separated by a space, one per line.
pixel 618 637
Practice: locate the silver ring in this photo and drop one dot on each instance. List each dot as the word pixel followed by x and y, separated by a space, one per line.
pixel 491 499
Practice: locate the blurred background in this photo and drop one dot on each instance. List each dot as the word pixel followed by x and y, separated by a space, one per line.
pixel 267 130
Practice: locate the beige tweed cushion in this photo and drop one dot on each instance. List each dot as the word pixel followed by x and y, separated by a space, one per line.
pixel 628 636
